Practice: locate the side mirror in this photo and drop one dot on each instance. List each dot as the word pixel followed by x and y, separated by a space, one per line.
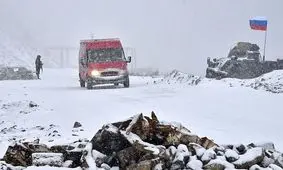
pixel 129 59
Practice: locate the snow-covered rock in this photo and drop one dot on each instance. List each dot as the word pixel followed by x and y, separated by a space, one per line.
pixel 270 167
pixel 194 163
pixel 208 155
pixel 182 157
pixel 279 161
pixel 179 77
pixel 105 166
pixel 257 167
pixel 266 145
pixel 67 164
pixel 231 155
pixel 267 161
pixel 271 82
pixel 3 148
pixel 5 166
pixel 77 129
pixel 219 165
pixel 250 158
pixel 178 162
pixel 182 148
pixel 171 152
pixel 275 167
pixel 51 159
pixel 241 149
pixel 158 167
pixel 197 149
pixel 220 150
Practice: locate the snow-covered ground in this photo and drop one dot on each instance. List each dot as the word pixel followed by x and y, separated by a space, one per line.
pixel 271 82
pixel 212 108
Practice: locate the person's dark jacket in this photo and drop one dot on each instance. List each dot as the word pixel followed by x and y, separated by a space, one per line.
pixel 38 63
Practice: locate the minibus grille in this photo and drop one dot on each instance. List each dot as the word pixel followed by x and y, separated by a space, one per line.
pixel 109 73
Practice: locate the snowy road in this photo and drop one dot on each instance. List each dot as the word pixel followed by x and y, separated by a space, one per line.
pixel 225 114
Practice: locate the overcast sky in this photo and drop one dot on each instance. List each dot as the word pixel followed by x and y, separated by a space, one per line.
pixel 167 34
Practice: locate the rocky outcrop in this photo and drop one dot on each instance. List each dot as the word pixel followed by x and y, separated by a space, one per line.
pixel 141 141
pixel 243 62
pixel 244 49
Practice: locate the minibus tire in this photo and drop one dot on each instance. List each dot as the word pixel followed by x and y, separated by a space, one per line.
pixel 89 85
pixel 127 83
pixel 82 83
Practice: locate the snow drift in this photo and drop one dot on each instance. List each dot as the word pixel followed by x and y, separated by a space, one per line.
pixel 270 82
pixel 177 77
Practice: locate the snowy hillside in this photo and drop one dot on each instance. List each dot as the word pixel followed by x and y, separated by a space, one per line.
pixel 13 53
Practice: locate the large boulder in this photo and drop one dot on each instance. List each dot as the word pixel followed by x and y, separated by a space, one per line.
pixel 108 140
pixel 194 163
pixel 20 154
pixel 244 62
pixel 231 155
pixel 251 157
pixel 244 49
pixel 208 155
pixel 218 165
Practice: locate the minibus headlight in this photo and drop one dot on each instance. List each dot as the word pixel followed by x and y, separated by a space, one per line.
pixel 95 73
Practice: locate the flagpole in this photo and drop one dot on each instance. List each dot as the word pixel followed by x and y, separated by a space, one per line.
pixel 264 45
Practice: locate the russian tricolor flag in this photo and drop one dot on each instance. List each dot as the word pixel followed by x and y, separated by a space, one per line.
pixel 258 23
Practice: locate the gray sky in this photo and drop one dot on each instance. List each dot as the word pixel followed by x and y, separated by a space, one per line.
pixel 167 34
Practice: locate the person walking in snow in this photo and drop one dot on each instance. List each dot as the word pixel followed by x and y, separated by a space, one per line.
pixel 38 65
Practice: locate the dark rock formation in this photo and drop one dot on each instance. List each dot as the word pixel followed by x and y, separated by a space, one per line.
pixel 243 62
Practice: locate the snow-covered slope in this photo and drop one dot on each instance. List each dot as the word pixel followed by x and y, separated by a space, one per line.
pixel 12 53
pixel 270 82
